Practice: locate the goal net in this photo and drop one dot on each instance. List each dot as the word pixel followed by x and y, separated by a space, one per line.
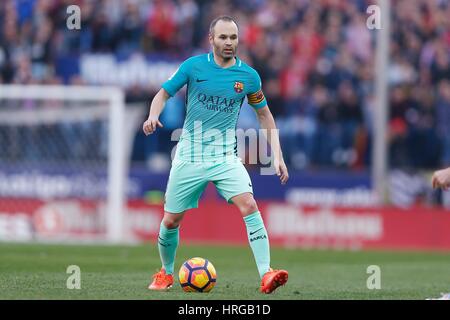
pixel 63 163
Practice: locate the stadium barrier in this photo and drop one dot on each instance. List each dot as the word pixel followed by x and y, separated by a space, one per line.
pixel 73 220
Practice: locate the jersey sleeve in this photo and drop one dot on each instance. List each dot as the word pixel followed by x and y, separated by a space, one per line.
pixel 256 96
pixel 178 79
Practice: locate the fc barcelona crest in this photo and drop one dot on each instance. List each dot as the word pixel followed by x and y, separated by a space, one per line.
pixel 238 86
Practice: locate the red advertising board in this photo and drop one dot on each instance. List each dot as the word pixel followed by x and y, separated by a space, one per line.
pixel 218 222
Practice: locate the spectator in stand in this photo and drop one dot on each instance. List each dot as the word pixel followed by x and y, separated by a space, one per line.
pixel 442 107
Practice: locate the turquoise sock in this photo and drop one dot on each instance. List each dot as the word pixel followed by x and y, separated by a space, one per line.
pixel 167 245
pixel 259 241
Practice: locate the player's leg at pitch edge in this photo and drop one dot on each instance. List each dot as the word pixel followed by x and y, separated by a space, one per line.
pixel 161 281
pixel 259 243
pixel 168 239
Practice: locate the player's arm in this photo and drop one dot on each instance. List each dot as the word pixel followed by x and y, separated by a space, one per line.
pixel 156 107
pixel 441 179
pixel 169 88
pixel 267 122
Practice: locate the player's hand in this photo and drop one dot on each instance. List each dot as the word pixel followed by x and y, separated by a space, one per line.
pixel 441 179
pixel 150 125
pixel 281 170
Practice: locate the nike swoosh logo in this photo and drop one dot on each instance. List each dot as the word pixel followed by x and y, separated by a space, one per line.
pixel 198 80
pixel 252 233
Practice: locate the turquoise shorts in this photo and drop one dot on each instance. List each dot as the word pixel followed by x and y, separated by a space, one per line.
pixel 188 180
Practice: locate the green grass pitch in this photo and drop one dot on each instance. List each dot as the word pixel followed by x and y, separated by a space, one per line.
pixel 38 271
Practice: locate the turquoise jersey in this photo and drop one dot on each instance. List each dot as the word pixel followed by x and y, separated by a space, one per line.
pixel 214 98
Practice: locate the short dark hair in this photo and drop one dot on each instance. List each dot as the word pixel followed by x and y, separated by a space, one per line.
pixel 221 18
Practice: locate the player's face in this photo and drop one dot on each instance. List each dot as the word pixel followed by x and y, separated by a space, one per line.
pixel 225 39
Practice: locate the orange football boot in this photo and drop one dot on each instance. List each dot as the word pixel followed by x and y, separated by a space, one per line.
pixel 272 279
pixel 161 281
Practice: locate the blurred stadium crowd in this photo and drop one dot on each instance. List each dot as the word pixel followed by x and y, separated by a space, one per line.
pixel 316 60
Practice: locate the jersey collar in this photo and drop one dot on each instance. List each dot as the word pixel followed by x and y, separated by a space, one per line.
pixel 236 65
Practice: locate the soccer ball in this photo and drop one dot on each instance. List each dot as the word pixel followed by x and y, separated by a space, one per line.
pixel 197 275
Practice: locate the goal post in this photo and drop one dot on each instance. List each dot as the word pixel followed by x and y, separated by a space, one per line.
pixel 116 162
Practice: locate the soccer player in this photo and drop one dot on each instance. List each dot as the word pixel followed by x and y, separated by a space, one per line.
pixel 441 179
pixel 217 84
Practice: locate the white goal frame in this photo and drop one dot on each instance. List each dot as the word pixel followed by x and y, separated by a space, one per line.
pixel 116 171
